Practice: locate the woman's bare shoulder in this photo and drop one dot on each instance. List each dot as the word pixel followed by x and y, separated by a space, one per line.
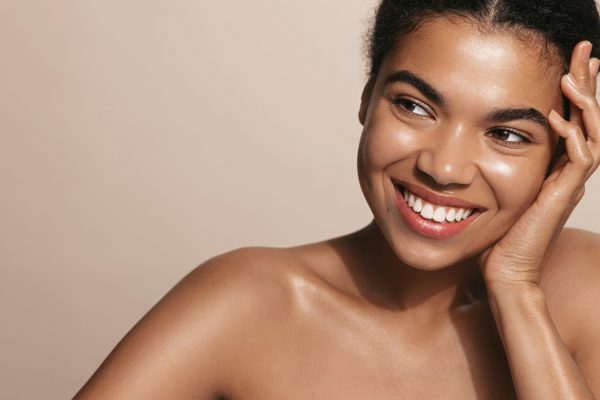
pixel 278 269
pixel 575 257
pixel 188 344
pixel 571 284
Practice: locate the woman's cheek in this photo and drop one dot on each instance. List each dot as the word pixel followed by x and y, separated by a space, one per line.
pixel 382 146
pixel 514 181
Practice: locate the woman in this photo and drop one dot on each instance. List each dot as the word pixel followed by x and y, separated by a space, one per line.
pixel 480 130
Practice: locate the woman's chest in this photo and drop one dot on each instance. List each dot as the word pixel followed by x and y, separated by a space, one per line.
pixel 465 360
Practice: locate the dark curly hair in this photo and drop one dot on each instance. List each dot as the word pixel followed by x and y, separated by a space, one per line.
pixel 560 24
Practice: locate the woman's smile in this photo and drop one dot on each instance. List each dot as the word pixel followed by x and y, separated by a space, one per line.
pixel 434 215
pixel 456 144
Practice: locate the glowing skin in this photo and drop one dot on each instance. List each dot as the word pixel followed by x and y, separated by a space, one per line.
pixel 388 312
pixel 449 148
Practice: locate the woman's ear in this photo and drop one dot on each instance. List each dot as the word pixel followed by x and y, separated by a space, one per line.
pixel 365 98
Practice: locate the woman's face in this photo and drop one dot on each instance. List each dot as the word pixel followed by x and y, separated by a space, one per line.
pixel 455 123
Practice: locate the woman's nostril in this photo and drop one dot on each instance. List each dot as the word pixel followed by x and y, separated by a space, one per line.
pixel 444 170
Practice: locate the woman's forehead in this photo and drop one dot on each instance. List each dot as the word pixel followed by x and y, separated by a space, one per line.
pixel 490 67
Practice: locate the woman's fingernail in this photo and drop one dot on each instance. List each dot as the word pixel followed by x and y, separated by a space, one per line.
pixel 583 50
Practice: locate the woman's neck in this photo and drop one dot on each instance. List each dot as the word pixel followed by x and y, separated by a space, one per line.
pixel 385 280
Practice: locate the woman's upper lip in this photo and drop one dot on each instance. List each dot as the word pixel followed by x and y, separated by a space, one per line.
pixel 436 198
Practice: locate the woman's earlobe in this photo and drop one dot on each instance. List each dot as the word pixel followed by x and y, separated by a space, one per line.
pixel 362 113
pixel 364 101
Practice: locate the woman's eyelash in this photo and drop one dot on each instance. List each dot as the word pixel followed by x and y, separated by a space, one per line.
pixel 508 137
pixel 503 136
pixel 412 107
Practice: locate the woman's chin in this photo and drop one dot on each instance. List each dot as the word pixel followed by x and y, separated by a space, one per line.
pixel 428 254
pixel 433 259
pixel 427 263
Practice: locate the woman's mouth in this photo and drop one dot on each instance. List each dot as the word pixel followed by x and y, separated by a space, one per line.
pixel 430 211
pixel 432 215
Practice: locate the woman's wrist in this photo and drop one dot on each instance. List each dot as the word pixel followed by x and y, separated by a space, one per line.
pixel 513 296
pixel 541 365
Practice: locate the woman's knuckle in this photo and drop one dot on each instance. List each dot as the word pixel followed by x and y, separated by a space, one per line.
pixel 586 161
pixel 574 130
pixel 590 102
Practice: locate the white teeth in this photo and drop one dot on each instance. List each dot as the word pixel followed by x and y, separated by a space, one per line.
pixel 437 213
pixel 450 214
pixel 427 211
pixel 418 205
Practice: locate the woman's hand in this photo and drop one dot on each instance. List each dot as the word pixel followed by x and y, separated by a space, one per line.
pixel 516 260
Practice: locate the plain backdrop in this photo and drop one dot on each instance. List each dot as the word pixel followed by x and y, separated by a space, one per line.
pixel 140 138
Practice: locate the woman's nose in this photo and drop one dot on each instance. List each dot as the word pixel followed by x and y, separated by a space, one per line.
pixel 448 159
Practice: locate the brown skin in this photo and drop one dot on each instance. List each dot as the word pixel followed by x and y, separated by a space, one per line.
pixel 385 312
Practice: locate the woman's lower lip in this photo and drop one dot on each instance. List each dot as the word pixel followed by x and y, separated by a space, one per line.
pixel 429 228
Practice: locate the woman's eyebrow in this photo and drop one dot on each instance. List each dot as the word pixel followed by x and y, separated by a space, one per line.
pixel 498 115
pixel 513 114
pixel 419 83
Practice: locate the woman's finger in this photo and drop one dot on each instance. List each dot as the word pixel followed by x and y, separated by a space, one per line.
pixel 579 66
pixel 579 75
pixel 594 67
pixel 581 161
pixel 588 110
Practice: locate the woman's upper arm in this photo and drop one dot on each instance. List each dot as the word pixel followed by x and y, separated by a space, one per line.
pixel 587 344
pixel 182 347
pixel 573 291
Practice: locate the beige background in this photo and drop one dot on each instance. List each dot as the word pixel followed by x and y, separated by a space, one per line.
pixel 139 138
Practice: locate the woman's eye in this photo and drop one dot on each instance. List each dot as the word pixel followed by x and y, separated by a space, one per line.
pixel 411 106
pixel 508 137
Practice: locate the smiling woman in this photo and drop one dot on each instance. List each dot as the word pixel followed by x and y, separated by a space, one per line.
pixel 463 107
pixel 480 129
